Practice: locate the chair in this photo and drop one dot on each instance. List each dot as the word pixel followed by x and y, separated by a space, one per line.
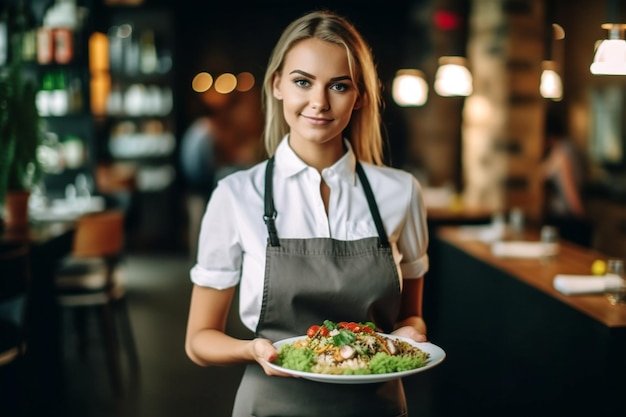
pixel 90 279
pixel 14 288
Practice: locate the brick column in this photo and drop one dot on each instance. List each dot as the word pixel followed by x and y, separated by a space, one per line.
pixel 502 130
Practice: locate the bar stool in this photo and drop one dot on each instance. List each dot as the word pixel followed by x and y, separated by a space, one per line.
pixel 90 279
pixel 14 287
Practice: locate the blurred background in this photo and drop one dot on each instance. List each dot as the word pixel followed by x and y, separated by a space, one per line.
pixel 145 104
pixel 140 73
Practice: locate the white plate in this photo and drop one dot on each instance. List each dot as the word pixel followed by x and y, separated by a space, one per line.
pixel 437 355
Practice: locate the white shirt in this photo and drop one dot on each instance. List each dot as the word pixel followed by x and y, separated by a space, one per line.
pixel 233 235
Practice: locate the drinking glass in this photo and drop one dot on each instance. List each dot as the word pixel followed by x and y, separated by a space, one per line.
pixel 615 282
pixel 550 242
pixel 516 221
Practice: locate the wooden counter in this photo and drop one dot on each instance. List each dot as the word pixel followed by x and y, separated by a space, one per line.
pixel 572 259
pixel 447 216
pixel 515 346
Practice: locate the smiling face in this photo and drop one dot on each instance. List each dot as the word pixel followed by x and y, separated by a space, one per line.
pixel 318 95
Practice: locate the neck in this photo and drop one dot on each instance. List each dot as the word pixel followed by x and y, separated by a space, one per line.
pixel 319 156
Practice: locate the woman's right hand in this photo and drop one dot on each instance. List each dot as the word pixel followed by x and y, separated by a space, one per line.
pixel 265 352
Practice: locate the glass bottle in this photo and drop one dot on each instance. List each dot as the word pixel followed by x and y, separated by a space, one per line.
pixel 24 39
pixel 4 36
pixel 44 95
pixel 59 99
pixel 148 60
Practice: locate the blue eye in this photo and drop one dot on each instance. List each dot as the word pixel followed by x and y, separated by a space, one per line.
pixel 340 87
pixel 300 82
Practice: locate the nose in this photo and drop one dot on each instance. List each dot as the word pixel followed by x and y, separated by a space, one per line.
pixel 319 99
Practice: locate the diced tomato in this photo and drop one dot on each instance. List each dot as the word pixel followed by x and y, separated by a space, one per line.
pixel 343 324
pixel 352 326
pixel 323 331
pixel 312 331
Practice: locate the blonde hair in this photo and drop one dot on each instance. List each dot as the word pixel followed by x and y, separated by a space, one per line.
pixel 363 131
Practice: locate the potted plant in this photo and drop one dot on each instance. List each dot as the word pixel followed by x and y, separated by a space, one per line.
pixel 20 136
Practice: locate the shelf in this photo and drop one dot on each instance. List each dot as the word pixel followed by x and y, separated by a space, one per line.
pixel 142 145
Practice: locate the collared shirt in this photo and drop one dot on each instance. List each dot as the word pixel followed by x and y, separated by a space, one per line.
pixel 233 235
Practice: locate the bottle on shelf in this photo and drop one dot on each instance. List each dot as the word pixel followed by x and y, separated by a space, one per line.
pixel 57 34
pixel 63 45
pixel 21 29
pixel 73 151
pixel 75 95
pixel 45 46
pixel 4 36
pixel 59 99
pixel 44 94
pixel 148 60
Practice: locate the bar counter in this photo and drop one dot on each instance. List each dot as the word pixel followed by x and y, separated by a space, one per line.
pixel 515 345
pixel 572 259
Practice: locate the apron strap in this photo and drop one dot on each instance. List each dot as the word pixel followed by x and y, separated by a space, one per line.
pixel 270 212
pixel 371 202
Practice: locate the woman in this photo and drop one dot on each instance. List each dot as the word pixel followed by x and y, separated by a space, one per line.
pixel 562 171
pixel 302 237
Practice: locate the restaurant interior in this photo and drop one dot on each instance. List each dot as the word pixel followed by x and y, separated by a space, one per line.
pixel 516 294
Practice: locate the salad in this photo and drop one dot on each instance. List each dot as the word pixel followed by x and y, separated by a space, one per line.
pixel 349 348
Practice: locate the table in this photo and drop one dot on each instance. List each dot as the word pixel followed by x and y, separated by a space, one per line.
pixel 515 345
pixel 463 215
pixel 49 242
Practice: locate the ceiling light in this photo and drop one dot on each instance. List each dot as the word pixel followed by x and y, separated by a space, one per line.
pixel 409 88
pixel 610 56
pixel 551 85
pixel 453 78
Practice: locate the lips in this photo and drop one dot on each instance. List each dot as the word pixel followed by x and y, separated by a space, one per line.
pixel 317 120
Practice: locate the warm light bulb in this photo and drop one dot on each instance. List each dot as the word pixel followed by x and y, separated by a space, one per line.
pixel 453 78
pixel 409 88
pixel 225 83
pixel 610 56
pixel 551 85
pixel 245 81
pixel 201 82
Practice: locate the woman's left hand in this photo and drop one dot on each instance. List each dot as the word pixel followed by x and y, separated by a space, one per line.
pixel 410 333
pixel 412 328
pixel 264 352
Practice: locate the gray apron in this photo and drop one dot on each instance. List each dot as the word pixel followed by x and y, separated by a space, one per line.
pixel 311 280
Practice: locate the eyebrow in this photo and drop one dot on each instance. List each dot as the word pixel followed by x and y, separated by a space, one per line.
pixel 334 79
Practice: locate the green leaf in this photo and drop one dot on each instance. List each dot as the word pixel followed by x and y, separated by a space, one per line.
pixel 330 325
pixel 20 131
pixel 345 337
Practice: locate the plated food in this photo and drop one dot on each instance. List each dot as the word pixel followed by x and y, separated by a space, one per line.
pixel 349 348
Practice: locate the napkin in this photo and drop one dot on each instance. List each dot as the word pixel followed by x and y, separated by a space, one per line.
pixel 579 284
pixel 484 233
pixel 522 249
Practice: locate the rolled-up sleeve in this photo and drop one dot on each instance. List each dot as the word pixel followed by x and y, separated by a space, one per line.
pixel 413 240
pixel 219 258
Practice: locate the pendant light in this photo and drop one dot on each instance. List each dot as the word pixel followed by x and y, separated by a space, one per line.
pixel 610 55
pixel 409 88
pixel 551 86
pixel 453 78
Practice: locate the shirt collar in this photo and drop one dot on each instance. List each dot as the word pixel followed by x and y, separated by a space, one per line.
pixel 290 164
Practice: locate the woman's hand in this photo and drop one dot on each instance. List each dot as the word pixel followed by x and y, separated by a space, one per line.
pixel 264 352
pixel 413 328
pixel 410 332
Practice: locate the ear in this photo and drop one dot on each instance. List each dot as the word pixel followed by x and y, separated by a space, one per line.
pixel 278 95
pixel 358 103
